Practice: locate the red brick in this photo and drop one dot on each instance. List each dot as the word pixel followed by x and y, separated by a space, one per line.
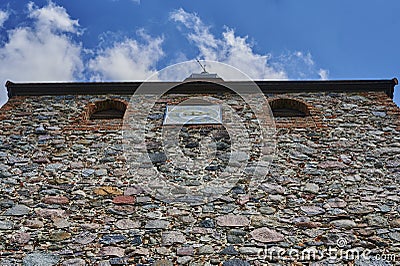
pixel 124 200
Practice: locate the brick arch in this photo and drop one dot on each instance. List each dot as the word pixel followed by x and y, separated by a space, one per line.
pixel 105 109
pixel 288 107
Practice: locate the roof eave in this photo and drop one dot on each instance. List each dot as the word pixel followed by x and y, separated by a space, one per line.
pixel 267 87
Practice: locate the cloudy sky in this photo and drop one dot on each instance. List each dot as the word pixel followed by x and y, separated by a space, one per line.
pixel 103 40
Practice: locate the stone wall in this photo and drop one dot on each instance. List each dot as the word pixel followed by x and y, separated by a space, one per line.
pixel 66 197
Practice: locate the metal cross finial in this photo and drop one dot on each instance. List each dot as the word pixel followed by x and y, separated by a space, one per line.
pixel 202 66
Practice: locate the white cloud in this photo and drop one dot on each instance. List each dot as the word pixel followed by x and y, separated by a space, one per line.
pixel 238 52
pixel 298 65
pixel 306 58
pixel 44 51
pixel 230 49
pixel 52 17
pixel 3 17
pixel 205 41
pixel 323 74
pixel 127 60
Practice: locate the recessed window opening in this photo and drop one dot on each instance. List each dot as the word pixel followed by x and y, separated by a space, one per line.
pixel 107 109
pixel 289 108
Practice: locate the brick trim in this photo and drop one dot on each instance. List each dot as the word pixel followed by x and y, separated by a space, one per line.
pixel 84 123
pixel 311 120
pixel 103 105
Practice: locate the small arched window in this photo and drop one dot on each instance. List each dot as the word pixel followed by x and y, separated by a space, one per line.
pixel 289 108
pixel 107 109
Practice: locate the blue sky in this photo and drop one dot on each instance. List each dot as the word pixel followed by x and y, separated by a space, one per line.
pixel 93 40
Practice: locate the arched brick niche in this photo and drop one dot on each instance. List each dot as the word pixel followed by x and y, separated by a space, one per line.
pixel 105 110
pixel 294 113
pixel 286 107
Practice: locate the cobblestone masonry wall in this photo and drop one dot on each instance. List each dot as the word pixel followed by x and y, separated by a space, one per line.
pixel 65 197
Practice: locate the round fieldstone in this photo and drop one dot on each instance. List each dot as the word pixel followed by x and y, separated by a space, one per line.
pixel 21 238
pixel 172 237
pixel 266 235
pixel 40 259
pixel 112 251
pixel 185 251
pixel 206 249
pixel 344 223
pixel 155 116
pixel 233 239
pixel 273 189
pixel 101 172
pixel 311 187
pixel 87 172
pixel 231 220
pixel 376 220
pixel 104 263
pixel 395 223
pixel 158 158
pixel 238 190
pixel 162 263
pixel 384 208
pixel 336 203
pixel 237 232
pixel 140 251
pixel 242 200
pixel 117 261
pixel 112 239
pixel 250 251
pixel 184 260
pixel 74 262
pixel 40 130
pixel 60 222
pixel 395 236
pixel 162 251
pixel 222 145
pixel 235 262
pixel 34 224
pixel 212 167
pixel 6 225
pixel 267 210
pixel 157 224
pixel 17 210
pixel 6 203
pixel 229 250
pixel 135 190
pixel 207 223
pixel 359 209
pixel 85 238
pixel 76 165
pixel 191 145
pixel 54 167
pixel 59 236
pixel 136 240
pixel 127 224
pixel 312 210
